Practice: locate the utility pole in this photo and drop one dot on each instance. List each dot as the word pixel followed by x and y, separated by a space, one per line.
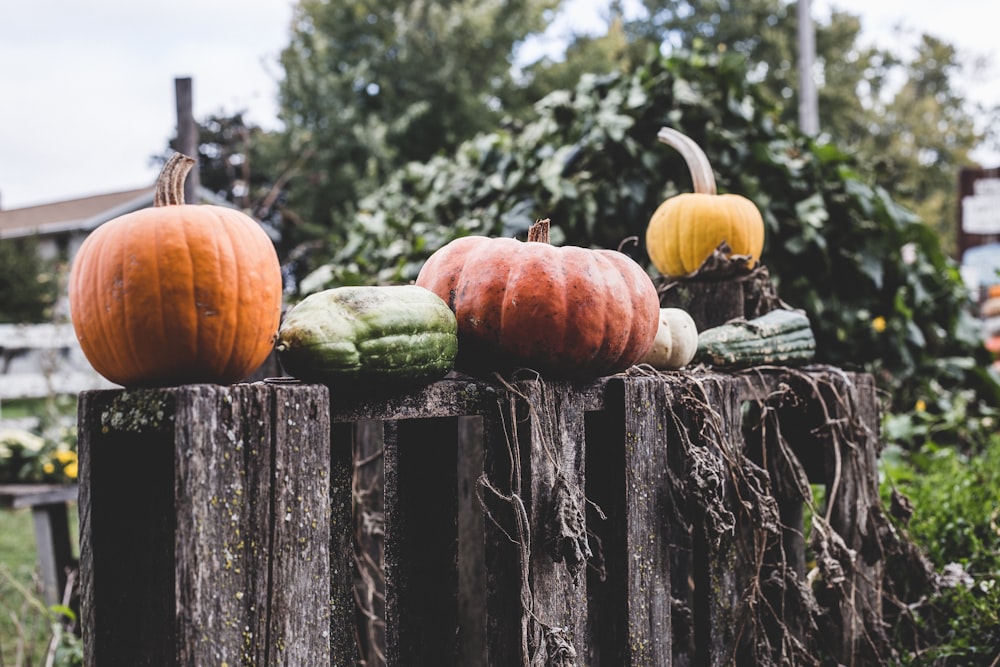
pixel 808 103
pixel 187 135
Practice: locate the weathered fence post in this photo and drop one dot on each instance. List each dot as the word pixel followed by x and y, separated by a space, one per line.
pixel 629 480
pixel 205 517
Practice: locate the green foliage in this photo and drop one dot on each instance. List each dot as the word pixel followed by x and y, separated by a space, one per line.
pixel 370 86
pixel 30 632
pixel 956 500
pixel 29 285
pixel 881 293
pixel 898 108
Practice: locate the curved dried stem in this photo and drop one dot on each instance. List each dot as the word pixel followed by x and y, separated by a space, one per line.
pixel 539 232
pixel 170 183
pixel 697 161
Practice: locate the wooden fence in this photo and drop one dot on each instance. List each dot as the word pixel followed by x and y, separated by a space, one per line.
pixel 40 360
pixel 641 519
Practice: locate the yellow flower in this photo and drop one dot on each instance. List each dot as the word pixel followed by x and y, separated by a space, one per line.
pixel 920 406
pixel 71 470
pixel 65 456
pixel 48 468
pixel 878 324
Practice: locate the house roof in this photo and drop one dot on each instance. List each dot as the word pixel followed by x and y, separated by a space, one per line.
pixel 82 214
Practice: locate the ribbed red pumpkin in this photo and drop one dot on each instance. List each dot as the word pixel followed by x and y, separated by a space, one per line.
pixel 563 311
pixel 176 294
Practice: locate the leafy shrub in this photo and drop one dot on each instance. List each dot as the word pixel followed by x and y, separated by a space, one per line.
pixel 880 292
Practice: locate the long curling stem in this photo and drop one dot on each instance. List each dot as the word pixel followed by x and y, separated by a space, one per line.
pixel 170 183
pixel 697 161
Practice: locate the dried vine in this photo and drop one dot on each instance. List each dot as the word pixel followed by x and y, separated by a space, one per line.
pixel 543 644
pixel 732 479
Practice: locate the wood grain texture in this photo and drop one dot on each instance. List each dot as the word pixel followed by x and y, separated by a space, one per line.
pixel 205 533
pixel 226 525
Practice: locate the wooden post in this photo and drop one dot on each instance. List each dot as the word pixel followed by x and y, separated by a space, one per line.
pixel 366 440
pixel 205 517
pixel 852 489
pixel 712 302
pixel 418 457
pixel 187 135
pixel 627 450
pixel 552 453
pixel 421 547
pixel 472 647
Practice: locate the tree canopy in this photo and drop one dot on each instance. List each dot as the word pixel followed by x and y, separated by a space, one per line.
pixel 370 86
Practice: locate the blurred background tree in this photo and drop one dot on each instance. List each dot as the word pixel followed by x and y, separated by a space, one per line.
pixel 29 284
pixel 370 87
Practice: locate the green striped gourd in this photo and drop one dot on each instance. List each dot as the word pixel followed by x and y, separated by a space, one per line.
pixel 778 337
pixel 374 335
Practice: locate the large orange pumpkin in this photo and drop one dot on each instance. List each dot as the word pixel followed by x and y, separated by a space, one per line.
pixel 563 311
pixel 176 293
pixel 687 228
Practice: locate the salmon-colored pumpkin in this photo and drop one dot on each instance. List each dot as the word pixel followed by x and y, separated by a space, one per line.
pixel 176 294
pixel 687 228
pixel 563 311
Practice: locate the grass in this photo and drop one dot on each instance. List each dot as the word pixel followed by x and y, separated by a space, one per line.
pixel 25 623
pixel 956 520
pixel 34 407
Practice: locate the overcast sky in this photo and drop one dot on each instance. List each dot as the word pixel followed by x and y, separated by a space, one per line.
pixel 87 88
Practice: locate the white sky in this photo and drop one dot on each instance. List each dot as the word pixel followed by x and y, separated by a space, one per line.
pixel 72 73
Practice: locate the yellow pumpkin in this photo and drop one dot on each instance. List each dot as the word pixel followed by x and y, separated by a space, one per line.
pixel 686 229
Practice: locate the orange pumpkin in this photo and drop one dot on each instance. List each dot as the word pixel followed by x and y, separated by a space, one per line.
pixel 563 311
pixel 686 229
pixel 176 294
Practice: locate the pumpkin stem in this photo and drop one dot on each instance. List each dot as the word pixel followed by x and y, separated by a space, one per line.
pixel 539 232
pixel 697 161
pixel 170 183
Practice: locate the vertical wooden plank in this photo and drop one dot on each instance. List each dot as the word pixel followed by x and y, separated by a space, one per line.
pixel 648 511
pixel 126 450
pixel 682 531
pixel 502 557
pixel 628 477
pixel 552 455
pixel 722 566
pixel 367 440
pixel 207 557
pixel 421 543
pixel 852 490
pixel 51 523
pixel 344 640
pixel 471 545
pixel 299 612
pixel 224 522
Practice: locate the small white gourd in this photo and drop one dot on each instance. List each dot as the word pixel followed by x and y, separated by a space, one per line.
pixel 676 341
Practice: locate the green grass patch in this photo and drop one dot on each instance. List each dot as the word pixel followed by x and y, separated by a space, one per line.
pixel 956 522
pixel 26 624
pixel 53 406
